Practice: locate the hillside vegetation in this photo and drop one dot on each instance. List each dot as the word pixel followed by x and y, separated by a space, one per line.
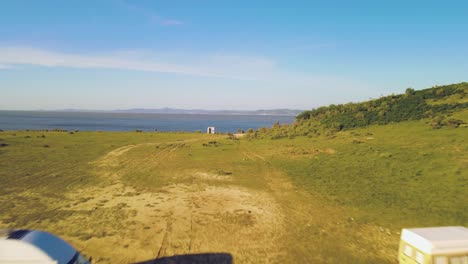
pixel 434 104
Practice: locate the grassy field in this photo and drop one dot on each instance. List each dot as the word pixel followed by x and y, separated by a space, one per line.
pixel 128 197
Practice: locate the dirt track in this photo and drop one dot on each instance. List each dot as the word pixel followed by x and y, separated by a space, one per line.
pixel 198 216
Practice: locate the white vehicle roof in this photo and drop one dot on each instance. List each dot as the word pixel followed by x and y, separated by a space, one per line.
pixel 32 246
pixel 437 240
pixel 18 252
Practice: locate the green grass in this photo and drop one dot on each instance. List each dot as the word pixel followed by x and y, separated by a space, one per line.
pixel 354 186
pixel 397 175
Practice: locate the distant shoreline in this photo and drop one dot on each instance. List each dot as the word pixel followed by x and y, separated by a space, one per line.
pixel 123 121
pixel 273 112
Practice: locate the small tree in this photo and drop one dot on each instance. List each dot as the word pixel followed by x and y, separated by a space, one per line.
pixel 409 91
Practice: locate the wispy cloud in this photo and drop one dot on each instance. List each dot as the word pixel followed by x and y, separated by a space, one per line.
pixel 222 66
pixel 150 15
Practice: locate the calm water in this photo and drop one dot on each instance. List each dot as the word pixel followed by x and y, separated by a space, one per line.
pixel 22 120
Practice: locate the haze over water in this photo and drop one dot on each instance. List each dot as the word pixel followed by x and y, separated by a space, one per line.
pixel 88 121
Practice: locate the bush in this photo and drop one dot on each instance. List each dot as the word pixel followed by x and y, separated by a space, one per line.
pixel 455 123
pixel 437 122
pixel 409 91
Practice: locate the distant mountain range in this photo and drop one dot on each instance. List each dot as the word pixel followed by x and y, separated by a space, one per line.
pixel 276 112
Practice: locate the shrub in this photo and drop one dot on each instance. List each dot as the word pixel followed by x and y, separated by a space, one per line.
pixel 437 122
pixel 409 91
pixel 455 123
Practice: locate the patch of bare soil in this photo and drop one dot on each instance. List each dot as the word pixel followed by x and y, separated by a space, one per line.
pixel 213 176
pixel 127 226
pixel 239 135
pixel 119 224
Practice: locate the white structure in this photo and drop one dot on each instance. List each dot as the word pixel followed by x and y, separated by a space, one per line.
pixel 438 245
pixel 210 130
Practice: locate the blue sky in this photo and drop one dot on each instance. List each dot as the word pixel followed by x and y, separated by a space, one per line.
pixel 225 54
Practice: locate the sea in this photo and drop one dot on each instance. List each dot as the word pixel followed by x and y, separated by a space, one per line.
pixel 101 121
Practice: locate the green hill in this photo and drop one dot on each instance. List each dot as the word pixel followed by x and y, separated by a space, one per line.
pixel 413 105
pixel 436 104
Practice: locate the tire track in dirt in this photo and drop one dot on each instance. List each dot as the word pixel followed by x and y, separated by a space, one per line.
pixel 208 213
pixel 200 216
pixel 162 248
pixel 108 165
pixel 111 157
